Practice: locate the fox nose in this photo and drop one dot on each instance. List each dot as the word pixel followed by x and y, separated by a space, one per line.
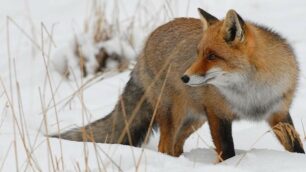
pixel 185 78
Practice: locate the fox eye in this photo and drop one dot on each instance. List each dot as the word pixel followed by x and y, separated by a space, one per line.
pixel 211 56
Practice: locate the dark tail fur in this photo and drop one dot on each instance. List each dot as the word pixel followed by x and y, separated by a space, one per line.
pixel 110 128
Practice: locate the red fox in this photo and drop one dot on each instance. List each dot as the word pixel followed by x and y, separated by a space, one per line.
pixel 191 71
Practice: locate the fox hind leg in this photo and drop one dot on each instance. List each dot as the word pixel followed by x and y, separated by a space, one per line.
pixel 188 127
pixel 285 132
pixel 175 129
pixel 166 133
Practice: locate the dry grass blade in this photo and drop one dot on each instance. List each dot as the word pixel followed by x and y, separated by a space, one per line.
pixel 9 56
pixel 50 35
pixel 98 158
pixel 5 157
pixel 303 129
pixel 11 89
pixel 125 120
pixel 19 130
pixel 24 127
pixel 109 157
pixel 78 168
pixel 84 110
pixel 10 20
pixel 169 7
pixel 128 131
pixel 219 158
pixel 251 147
pixel 188 6
pixel 52 94
pixel 139 160
pixel 156 106
pixel 25 135
pixel 90 82
pixel 50 153
pixel 4 115
pixel 201 138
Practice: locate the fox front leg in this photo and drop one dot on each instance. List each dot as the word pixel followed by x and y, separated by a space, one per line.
pixel 285 132
pixel 221 132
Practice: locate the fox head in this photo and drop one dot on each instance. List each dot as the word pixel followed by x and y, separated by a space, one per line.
pixel 223 52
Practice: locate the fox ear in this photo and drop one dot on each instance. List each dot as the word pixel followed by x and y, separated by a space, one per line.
pixel 206 18
pixel 233 27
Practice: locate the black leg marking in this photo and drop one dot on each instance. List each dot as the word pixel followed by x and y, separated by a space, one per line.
pixel 227 144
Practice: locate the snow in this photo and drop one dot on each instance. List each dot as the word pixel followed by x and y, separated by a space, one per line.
pixel 25 88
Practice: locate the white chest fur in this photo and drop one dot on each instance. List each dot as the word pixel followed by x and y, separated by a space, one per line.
pixel 252 103
pixel 253 100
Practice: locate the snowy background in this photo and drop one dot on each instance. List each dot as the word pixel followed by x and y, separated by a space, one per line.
pixel 37 40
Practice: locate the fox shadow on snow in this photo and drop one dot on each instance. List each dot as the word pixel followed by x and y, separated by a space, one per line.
pixel 205 155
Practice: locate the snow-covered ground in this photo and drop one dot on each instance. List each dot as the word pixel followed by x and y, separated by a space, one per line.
pixel 26 88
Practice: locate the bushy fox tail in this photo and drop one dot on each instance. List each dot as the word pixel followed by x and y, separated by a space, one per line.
pixel 127 124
